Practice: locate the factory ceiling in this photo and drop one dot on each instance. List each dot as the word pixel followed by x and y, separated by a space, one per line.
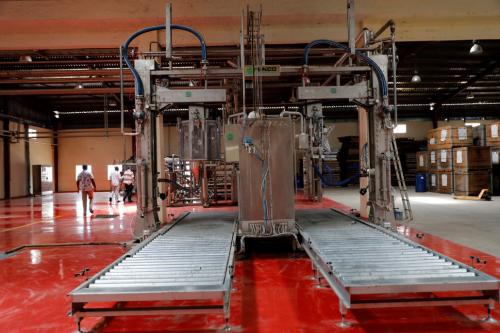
pixel 68 24
pixel 81 84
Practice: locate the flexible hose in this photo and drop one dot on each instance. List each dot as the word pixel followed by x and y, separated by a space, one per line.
pixel 326 182
pixel 139 87
pixel 378 71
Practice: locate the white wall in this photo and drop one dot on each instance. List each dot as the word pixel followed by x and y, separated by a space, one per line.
pixel 41 150
pixel 18 182
pixel 98 151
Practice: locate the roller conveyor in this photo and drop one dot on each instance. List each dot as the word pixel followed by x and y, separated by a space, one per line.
pixel 190 261
pixel 369 266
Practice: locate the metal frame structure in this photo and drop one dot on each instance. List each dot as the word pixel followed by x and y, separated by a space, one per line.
pixel 189 260
pixel 358 258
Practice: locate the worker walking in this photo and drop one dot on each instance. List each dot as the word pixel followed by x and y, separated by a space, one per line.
pixel 128 181
pixel 114 185
pixel 86 184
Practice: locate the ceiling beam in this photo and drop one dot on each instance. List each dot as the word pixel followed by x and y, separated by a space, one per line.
pixel 72 91
pixel 489 68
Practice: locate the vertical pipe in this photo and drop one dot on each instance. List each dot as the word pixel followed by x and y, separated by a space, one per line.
pixel 122 118
pixel 394 76
pixel 351 26
pixel 6 158
pixel 168 34
pixel 55 142
pixel 27 159
pixel 242 63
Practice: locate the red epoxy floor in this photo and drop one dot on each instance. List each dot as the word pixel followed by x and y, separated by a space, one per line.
pixel 273 292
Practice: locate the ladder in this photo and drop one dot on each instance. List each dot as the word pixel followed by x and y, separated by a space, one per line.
pixel 403 191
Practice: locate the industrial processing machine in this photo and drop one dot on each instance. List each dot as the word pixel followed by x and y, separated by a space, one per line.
pixel 192 259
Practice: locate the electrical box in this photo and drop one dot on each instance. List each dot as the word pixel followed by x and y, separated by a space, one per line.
pixel 303 141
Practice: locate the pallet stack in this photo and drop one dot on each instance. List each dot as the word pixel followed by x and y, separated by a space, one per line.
pixel 453 164
pixel 493 141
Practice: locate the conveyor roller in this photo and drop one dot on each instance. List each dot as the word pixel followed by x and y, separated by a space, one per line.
pixel 191 260
pixel 359 258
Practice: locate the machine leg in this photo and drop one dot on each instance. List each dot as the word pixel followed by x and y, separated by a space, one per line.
pixel 489 318
pixel 227 310
pixel 317 277
pixel 343 311
pixel 78 326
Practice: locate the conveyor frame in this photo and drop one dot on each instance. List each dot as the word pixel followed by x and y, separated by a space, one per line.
pixel 81 296
pixel 485 290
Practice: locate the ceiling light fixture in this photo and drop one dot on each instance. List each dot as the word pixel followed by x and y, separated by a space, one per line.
pixel 25 58
pixel 191 83
pixel 470 96
pixel 79 86
pixel 476 49
pixel 416 78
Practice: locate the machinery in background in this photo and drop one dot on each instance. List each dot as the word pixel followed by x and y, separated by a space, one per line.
pixel 369 90
pixel 204 183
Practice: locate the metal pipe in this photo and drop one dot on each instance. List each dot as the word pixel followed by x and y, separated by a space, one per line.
pixel 394 75
pixel 242 63
pixel 234 115
pixel 373 65
pixel 284 113
pixel 139 88
pixel 122 111
pixel 382 29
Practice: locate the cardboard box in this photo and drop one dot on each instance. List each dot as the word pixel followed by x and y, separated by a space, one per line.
pixel 493 134
pixel 472 182
pixel 449 137
pixel 471 158
pixel 432 160
pixel 444 182
pixel 422 161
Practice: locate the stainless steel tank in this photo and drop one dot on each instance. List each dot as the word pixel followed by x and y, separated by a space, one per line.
pixel 266 179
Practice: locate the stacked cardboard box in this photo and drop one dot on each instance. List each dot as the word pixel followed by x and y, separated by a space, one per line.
pixel 422 161
pixel 472 167
pixel 449 137
pixel 453 164
pixel 492 135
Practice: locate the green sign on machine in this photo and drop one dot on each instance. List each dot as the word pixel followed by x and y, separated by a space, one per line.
pixel 264 70
pixel 189 94
pixel 333 90
pixel 230 136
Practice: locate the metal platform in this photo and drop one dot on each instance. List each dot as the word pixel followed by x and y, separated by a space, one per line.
pixel 191 260
pixel 368 266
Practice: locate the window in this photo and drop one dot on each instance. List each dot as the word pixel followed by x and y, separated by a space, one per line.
pixel 79 169
pixel 31 133
pixel 472 124
pixel 400 129
pixel 111 168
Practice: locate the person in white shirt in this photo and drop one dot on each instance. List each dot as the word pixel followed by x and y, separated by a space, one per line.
pixel 86 184
pixel 128 181
pixel 114 185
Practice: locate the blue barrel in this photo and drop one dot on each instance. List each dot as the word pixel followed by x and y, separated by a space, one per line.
pixel 421 182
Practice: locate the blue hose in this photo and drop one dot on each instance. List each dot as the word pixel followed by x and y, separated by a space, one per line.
pixel 378 72
pixel 326 182
pixel 139 87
